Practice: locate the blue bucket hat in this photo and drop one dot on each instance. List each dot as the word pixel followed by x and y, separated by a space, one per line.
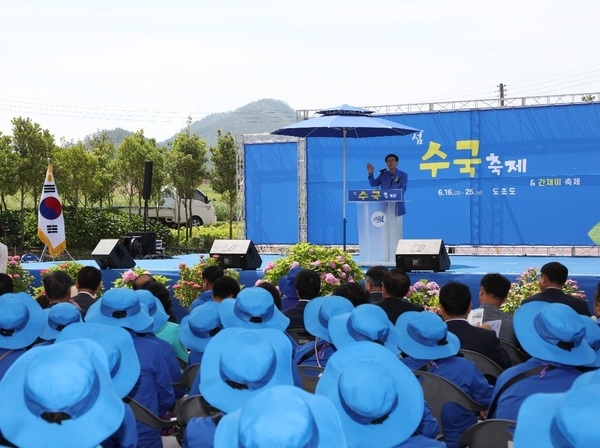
pixel 239 363
pixel 58 317
pixel 156 310
pixel 61 396
pixel 120 307
pixel 378 399
pixel 553 332
pixel 568 419
pixel 200 326
pixel 286 283
pixel 117 343
pixel 21 320
pixel 592 336
pixel 282 416
pixel 320 310
pixel 424 335
pixel 366 322
pixel 252 308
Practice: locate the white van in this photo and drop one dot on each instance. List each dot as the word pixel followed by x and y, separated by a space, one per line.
pixel 203 212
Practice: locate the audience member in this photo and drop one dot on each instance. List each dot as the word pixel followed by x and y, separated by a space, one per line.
pixel 552 278
pixel 238 364
pixel 274 292
pixel 210 274
pixel 365 322
pixel 61 396
pixel 567 419
pixel 378 399
pixel 492 294
pixel 161 292
pixel 57 288
pixel 121 307
pixel 6 284
pixel 253 309
pixel 141 280
pixel 455 304
pixel 88 284
pixel 308 286
pixel 374 282
pixel 59 317
pixel 198 328
pixel 123 366
pixel 354 292
pixel 395 286
pixel 170 330
pixel 3 253
pixel 554 335
pixel 427 343
pixel 159 320
pixel 282 416
pixel 21 322
pixel 287 287
pixel 225 287
pixel 317 315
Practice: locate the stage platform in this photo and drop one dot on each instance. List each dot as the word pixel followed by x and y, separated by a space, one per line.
pixel 467 269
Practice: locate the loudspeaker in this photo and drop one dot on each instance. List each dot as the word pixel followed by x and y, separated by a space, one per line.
pixel 422 255
pixel 139 244
pixel 112 254
pixel 147 179
pixel 236 254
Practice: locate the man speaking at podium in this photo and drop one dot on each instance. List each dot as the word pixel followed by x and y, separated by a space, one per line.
pixel 391 179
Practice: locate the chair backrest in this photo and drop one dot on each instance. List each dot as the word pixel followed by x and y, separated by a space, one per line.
pixel 194 406
pixel 517 356
pixel 300 335
pixel 183 364
pixel 310 375
pixel 144 415
pixel 188 376
pixel 438 391
pixel 484 364
pixel 493 433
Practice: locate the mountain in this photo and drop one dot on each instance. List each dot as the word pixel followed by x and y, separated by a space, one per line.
pixel 262 116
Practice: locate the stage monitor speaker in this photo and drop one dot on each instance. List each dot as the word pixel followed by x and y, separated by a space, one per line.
pixel 236 254
pixel 112 254
pixel 422 255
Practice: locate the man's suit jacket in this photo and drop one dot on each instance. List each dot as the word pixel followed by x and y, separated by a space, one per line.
pixel 296 314
pixel 84 301
pixel 394 306
pixel 479 340
pixel 555 295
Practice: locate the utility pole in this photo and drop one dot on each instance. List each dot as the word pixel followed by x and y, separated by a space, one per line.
pixel 501 86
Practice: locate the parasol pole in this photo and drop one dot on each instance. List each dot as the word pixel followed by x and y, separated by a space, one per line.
pixel 344 132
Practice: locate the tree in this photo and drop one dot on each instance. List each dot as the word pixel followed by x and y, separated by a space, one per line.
pixel 187 168
pixel 104 150
pixel 8 161
pixel 74 170
pixel 224 174
pixel 129 164
pixel 33 146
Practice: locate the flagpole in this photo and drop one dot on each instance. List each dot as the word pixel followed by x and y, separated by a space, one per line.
pixel 344 132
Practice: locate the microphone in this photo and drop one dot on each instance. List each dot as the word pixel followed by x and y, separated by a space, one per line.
pixel 382 170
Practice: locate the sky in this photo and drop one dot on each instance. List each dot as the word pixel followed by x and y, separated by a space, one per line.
pixel 76 67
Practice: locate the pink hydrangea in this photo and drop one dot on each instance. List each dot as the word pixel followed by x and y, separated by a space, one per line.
pixel 295 264
pixel 330 278
pixel 129 276
pixel 332 264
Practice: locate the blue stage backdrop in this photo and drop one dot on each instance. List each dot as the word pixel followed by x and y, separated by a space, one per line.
pixel 499 176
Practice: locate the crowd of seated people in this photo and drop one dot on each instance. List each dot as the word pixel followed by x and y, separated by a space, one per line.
pixel 78 377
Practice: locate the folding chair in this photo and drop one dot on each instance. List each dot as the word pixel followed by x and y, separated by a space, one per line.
pixel 485 365
pixel 493 433
pixel 515 354
pixel 300 335
pixel 310 375
pixel 188 376
pixel 194 406
pixel 438 391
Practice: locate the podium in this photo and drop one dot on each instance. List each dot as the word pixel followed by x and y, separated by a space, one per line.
pixel 376 225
